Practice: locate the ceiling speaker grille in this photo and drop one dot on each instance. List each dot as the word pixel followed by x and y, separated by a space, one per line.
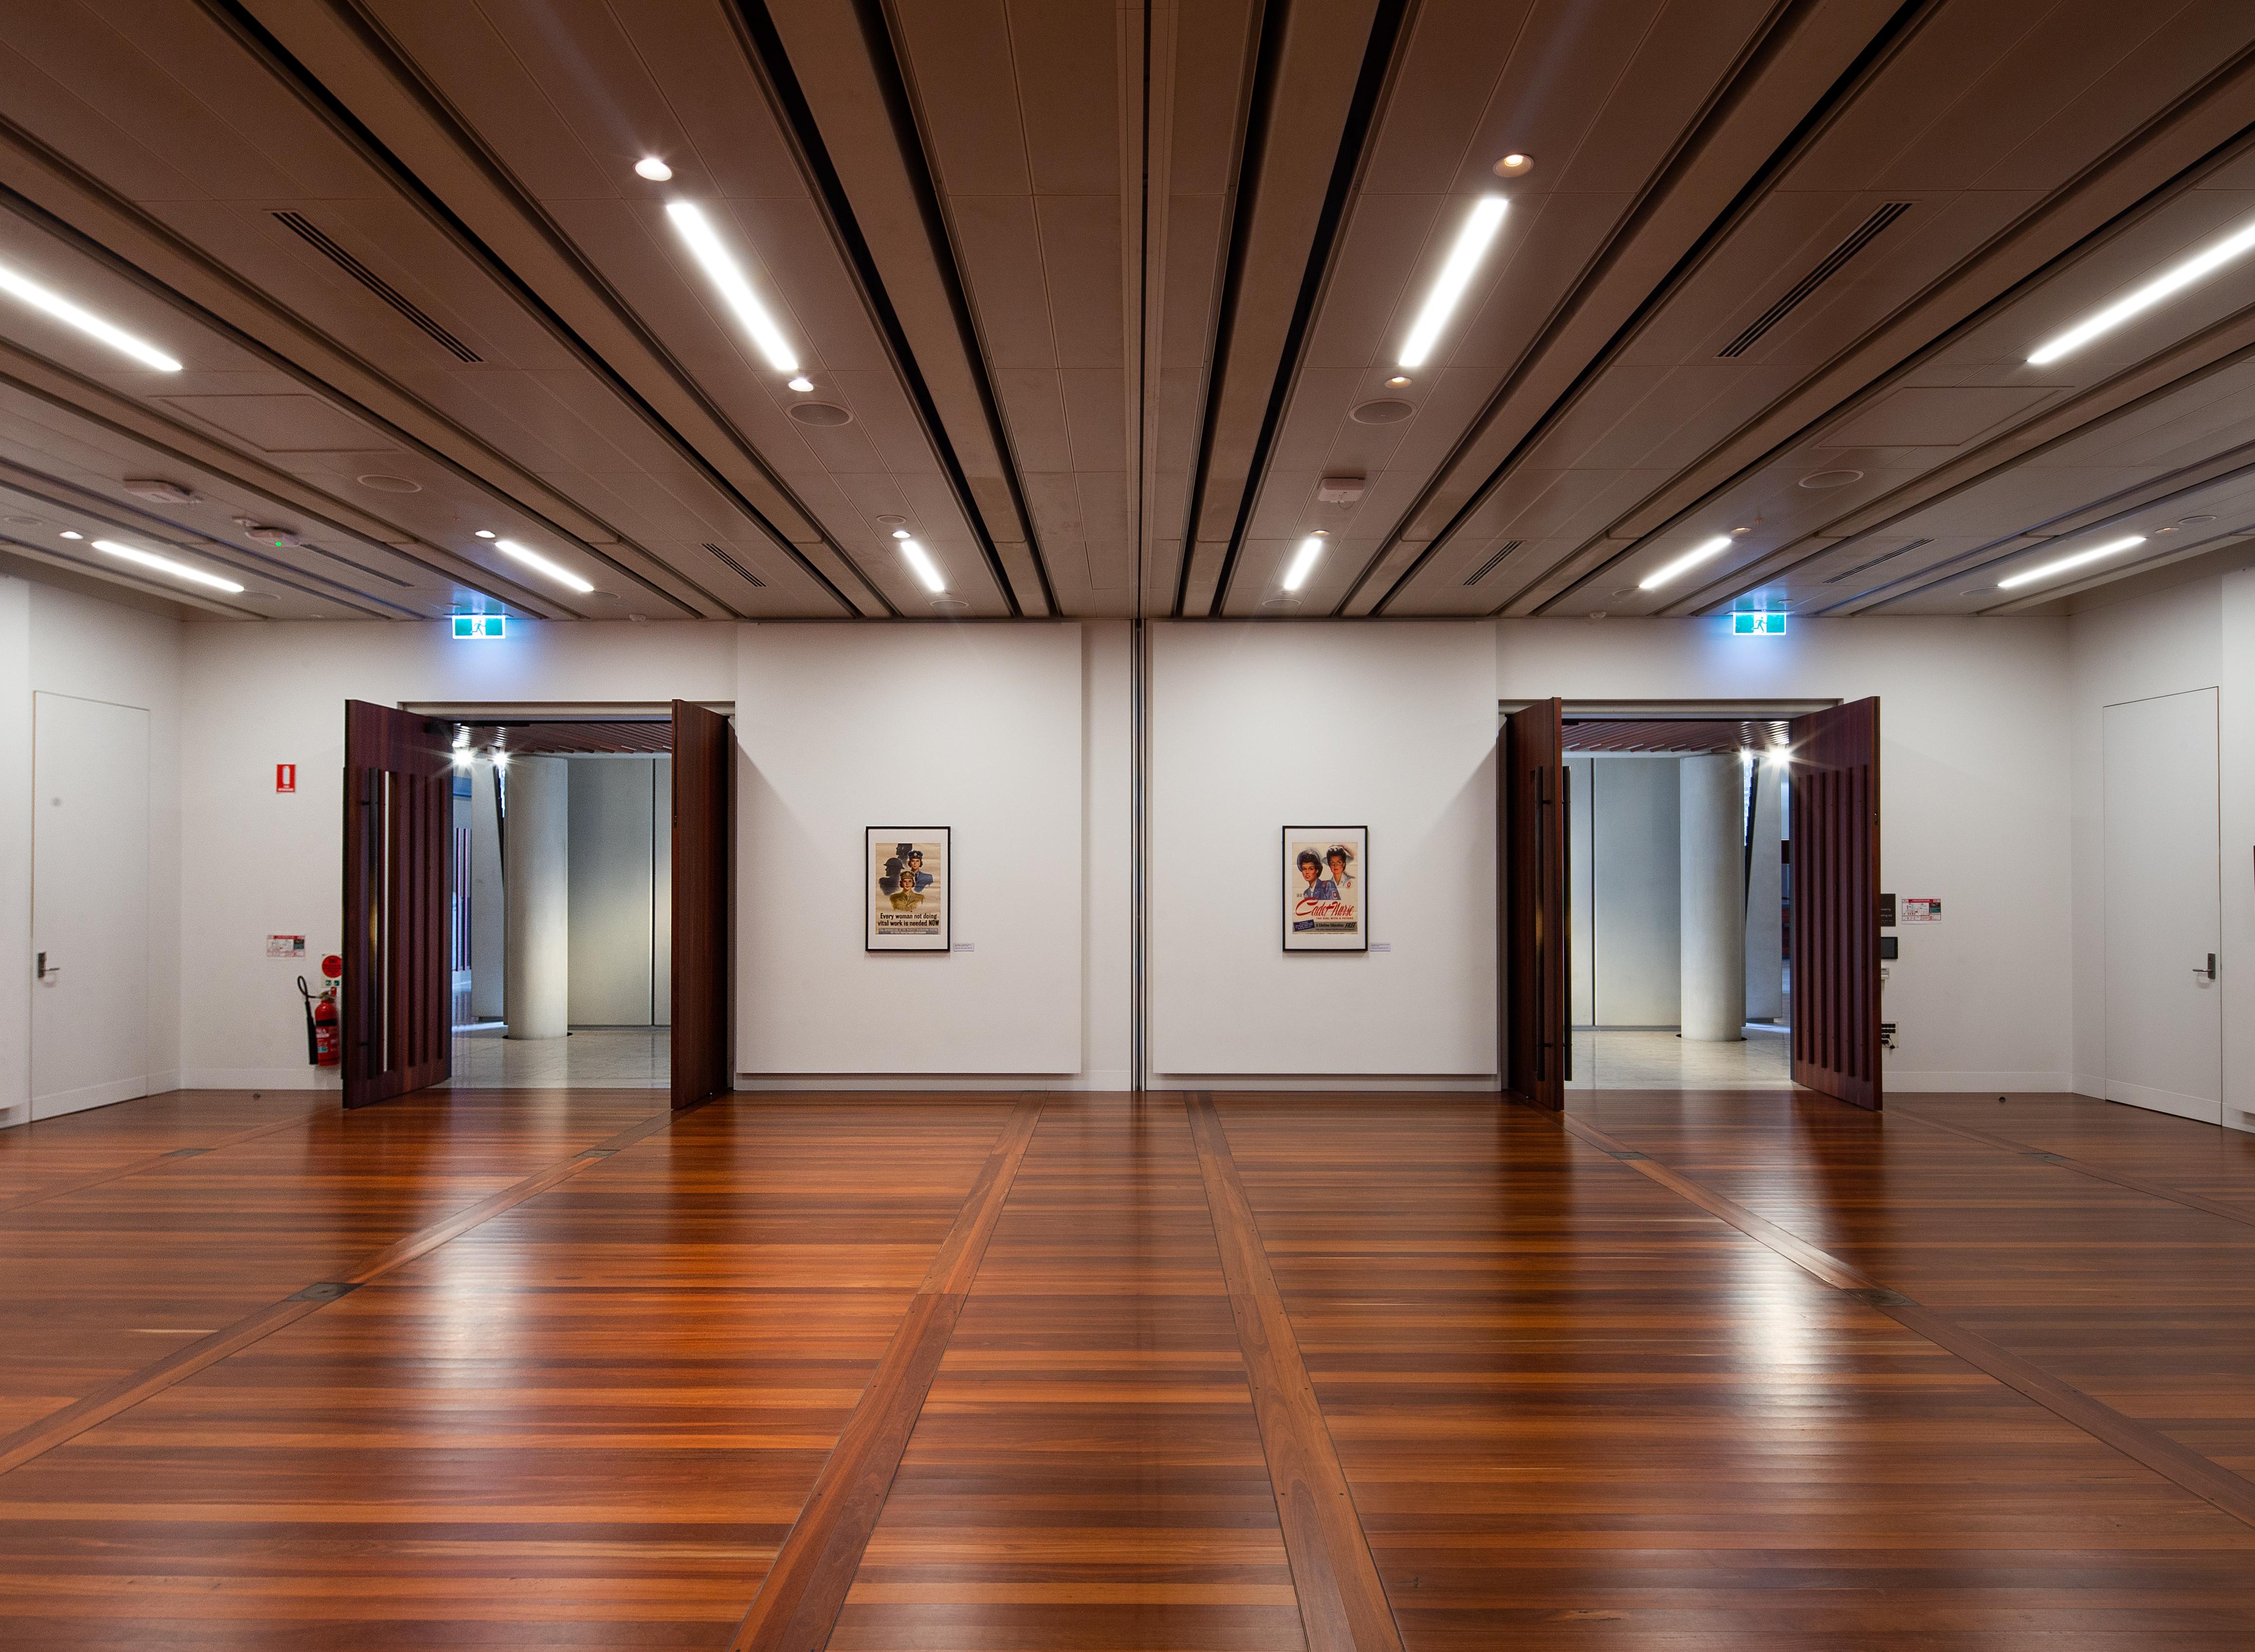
pixel 1884 555
pixel 1830 266
pixel 1493 563
pixel 750 576
pixel 306 230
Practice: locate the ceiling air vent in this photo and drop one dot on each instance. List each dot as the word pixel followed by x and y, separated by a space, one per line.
pixel 306 230
pixel 1884 555
pixel 750 576
pixel 1494 562
pixel 1864 235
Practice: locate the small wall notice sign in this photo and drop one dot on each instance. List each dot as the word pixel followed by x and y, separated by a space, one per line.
pixel 285 777
pixel 1921 909
pixel 285 946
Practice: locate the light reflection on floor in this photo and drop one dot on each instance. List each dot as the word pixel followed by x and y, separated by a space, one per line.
pixel 1611 1060
pixel 607 1058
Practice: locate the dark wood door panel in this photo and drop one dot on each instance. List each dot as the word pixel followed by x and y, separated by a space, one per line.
pixel 1531 831
pixel 704 782
pixel 1834 781
pixel 396 1005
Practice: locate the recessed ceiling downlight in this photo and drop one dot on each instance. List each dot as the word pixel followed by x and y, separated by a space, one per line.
pixel 1513 166
pixel 1831 479
pixel 824 414
pixel 1386 410
pixel 390 484
pixel 654 169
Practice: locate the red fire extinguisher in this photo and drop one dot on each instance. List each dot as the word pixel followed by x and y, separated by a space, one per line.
pixel 323 1045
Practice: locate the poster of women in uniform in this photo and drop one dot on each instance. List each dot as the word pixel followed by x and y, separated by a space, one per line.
pixel 906 889
pixel 1325 902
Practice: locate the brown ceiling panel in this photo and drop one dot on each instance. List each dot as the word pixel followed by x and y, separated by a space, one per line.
pixel 1094 299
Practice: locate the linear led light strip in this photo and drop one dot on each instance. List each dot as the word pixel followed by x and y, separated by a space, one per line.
pixel 1303 562
pixel 721 270
pixel 1456 275
pixel 926 570
pixel 539 563
pixel 2161 286
pixel 166 565
pixel 2066 563
pixel 85 321
pixel 1690 559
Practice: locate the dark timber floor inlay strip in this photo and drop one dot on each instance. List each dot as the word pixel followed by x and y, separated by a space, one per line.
pixel 2187 1467
pixel 2082 1167
pixel 154 1161
pixel 1343 1606
pixel 799 1600
pixel 44 1433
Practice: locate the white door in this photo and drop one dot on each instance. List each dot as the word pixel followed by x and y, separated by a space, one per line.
pixel 89 904
pixel 2164 911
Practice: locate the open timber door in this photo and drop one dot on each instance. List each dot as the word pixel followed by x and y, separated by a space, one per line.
pixel 1531 832
pixel 397 1005
pixel 1834 780
pixel 704 780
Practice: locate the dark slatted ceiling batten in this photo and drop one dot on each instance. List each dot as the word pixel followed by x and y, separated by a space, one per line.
pixel 1494 562
pixel 1865 234
pixel 749 577
pixel 299 225
pixel 1850 573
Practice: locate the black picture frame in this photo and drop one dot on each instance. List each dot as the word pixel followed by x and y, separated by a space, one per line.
pixel 1357 839
pixel 945 837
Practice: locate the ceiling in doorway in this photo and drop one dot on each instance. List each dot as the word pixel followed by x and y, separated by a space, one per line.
pixel 1102 305
pixel 1681 736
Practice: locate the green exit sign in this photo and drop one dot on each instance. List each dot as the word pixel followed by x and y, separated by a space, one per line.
pixel 1757 624
pixel 480 627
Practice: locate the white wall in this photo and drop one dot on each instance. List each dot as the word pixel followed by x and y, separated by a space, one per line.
pixel 616 815
pixel 59 642
pixel 1255 727
pixel 259 695
pixel 1974 738
pixel 975 728
pixel 2196 635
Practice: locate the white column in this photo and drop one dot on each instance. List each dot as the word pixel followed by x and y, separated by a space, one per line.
pixel 1765 904
pixel 537 869
pixel 1713 897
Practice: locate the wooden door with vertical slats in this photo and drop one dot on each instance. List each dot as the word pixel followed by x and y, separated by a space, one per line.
pixel 704 783
pixel 1834 780
pixel 1531 830
pixel 395 1004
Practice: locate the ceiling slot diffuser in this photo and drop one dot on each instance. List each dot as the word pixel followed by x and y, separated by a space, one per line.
pixel 1888 556
pixel 1491 564
pixel 750 576
pixel 1830 266
pixel 299 225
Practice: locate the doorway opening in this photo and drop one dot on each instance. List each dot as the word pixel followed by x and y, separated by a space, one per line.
pixel 461 921
pixel 1678 967
pixel 1827 914
pixel 560 905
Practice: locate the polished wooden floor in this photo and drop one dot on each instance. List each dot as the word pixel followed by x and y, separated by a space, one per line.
pixel 555 1370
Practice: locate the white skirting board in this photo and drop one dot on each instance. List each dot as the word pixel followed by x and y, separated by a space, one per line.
pixel 1974 1084
pixel 1098 1080
pixel 77 1101
pixel 260 1078
pixel 1472 1083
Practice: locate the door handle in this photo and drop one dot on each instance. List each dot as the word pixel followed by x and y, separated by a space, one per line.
pixel 48 971
pixel 2208 973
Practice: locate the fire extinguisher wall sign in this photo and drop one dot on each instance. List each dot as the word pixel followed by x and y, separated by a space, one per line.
pixel 285 777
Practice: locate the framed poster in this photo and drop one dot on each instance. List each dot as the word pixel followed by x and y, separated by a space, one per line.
pixel 906 888
pixel 1326 889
